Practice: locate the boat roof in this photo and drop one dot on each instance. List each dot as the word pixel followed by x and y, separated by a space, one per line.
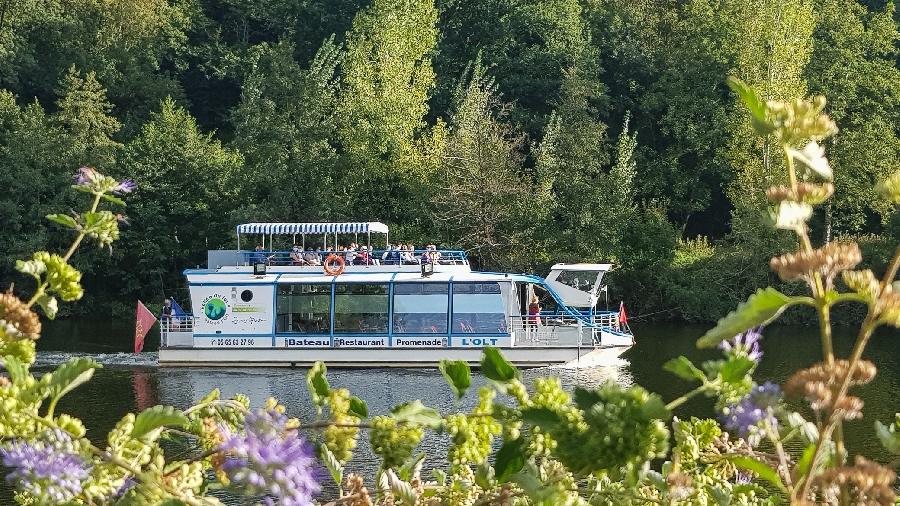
pixel 313 228
pixel 582 267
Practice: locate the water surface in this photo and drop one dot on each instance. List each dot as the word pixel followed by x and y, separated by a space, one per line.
pixel 129 382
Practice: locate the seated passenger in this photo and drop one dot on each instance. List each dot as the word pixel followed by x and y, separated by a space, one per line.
pixel 296 255
pixel 311 257
pixel 350 253
pixel 391 255
pixel 362 257
pixel 258 256
pixel 407 255
pixel 431 255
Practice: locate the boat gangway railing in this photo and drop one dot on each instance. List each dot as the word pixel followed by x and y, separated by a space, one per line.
pixel 376 257
pixel 175 330
pixel 551 328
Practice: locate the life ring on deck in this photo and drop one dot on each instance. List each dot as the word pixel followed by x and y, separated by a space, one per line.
pixel 334 271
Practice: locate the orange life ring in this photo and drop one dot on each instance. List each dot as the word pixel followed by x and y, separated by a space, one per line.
pixel 340 265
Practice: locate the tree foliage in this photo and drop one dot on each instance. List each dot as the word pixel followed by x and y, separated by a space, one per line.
pixel 348 110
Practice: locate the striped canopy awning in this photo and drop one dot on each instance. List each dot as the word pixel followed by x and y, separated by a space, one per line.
pixel 313 228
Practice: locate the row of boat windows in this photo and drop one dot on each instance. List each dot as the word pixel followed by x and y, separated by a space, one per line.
pixel 418 308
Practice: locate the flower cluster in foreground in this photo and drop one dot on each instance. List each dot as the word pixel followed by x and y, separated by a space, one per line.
pixel 269 458
pixel 49 468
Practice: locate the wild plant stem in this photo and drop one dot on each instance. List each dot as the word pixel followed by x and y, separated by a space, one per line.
pixel 81 234
pixel 686 397
pixel 865 332
pixel 782 457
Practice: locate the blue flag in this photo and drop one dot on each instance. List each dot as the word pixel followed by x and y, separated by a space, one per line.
pixel 176 310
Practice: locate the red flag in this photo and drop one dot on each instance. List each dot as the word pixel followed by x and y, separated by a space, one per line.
pixel 142 323
pixel 623 318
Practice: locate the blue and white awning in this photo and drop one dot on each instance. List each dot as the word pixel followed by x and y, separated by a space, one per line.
pixel 313 228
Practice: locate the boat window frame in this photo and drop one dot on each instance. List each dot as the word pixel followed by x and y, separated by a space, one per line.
pixel 367 328
pixel 465 327
pixel 441 329
pixel 327 331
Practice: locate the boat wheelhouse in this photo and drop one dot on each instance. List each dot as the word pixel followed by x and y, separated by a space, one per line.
pixel 271 306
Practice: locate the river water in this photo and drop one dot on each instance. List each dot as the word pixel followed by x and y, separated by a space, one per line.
pixel 129 382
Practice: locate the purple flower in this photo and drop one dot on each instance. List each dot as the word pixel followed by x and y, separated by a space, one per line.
pixel 125 186
pixel 48 468
pixel 746 344
pixel 267 458
pixel 754 413
pixel 86 176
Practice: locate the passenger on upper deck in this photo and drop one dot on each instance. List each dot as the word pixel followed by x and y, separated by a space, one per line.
pixel 311 257
pixel 296 255
pixel 362 257
pixel 431 254
pixel 258 256
pixel 391 255
pixel 350 253
pixel 365 257
pixel 407 255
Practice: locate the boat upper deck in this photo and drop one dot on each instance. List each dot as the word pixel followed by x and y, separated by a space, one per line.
pixel 330 248
pixel 311 262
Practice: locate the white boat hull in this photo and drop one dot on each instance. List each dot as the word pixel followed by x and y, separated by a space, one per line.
pixel 532 356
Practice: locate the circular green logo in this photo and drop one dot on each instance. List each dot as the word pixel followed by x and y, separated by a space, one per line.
pixel 215 308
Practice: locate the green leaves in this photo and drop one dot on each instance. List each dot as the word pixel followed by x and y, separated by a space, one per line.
pixel 888 436
pixel 734 370
pixel 68 376
pixel 416 412
pixel 358 408
pixel 102 226
pixel 683 368
pixel 755 104
pixel 496 368
pixel 889 188
pixel 49 304
pixel 56 272
pixel 761 469
pixel 542 417
pixel 458 376
pixel 17 370
pixel 149 421
pixel 331 463
pixel 510 459
pixel 63 219
pixel 318 384
pixel 761 308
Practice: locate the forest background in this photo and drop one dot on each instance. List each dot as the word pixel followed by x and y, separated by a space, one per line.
pixel 526 132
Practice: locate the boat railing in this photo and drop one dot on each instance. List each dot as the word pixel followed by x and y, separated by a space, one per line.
pixel 175 329
pixel 547 328
pixel 376 257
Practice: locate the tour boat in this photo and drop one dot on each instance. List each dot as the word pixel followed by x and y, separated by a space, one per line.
pixel 271 306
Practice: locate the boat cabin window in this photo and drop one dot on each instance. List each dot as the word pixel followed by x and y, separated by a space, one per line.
pixel 478 308
pixel 361 309
pixel 579 280
pixel 303 308
pixel 421 308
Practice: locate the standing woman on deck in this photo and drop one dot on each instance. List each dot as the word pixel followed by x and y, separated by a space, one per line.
pixel 534 311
